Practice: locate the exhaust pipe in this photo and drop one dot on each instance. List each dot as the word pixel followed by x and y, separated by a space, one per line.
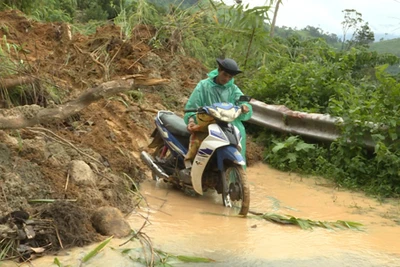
pixel 146 158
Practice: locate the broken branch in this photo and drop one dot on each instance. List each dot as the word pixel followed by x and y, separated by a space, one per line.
pixel 8 83
pixel 26 116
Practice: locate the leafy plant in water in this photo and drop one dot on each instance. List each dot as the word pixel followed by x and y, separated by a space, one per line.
pixel 302 223
pixel 163 258
pixel 167 259
pixel 307 223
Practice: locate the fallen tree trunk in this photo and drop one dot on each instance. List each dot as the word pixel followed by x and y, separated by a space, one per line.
pixel 30 115
pixel 8 83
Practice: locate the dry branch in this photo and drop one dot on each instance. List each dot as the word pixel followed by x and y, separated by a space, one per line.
pixel 8 83
pixel 152 110
pixel 26 116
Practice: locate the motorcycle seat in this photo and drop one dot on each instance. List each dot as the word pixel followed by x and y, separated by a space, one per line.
pixel 175 124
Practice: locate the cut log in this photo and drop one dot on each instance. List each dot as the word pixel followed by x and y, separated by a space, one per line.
pixel 30 115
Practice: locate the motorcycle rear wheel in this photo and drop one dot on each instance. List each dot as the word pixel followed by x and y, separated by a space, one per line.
pixel 238 195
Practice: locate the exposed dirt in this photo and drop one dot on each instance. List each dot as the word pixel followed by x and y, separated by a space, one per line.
pixel 108 135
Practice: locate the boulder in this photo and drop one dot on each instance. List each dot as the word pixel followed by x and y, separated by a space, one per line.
pixel 109 221
pixel 81 173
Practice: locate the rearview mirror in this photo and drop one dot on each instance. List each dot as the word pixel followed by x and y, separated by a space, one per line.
pixel 244 98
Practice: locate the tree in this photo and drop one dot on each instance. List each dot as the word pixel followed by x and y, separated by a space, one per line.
pixel 362 34
pixel 278 2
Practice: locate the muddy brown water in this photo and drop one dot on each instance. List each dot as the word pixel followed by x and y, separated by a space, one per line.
pixel 187 225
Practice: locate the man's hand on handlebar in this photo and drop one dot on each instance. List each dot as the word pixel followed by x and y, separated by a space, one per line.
pixel 245 109
pixel 192 126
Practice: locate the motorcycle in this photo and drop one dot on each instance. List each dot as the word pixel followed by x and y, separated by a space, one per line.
pixel 218 163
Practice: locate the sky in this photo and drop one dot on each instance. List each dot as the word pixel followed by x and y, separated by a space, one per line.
pixel 383 16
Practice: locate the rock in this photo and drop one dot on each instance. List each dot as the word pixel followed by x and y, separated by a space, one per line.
pixel 56 154
pixel 109 221
pixel 4 154
pixel 81 173
pixel 154 63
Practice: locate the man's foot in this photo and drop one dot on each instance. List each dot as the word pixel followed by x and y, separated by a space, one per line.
pixel 188 163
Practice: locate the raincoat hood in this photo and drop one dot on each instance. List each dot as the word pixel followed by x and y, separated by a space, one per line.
pixel 214 73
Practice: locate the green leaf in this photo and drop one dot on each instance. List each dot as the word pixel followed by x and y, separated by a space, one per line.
pixel 378 137
pixel 393 136
pixel 302 223
pixel 308 224
pixel 326 225
pixel 291 140
pixel 127 250
pixel 193 259
pixel 278 147
pixel 304 146
pixel 97 249
pixel 292 157
pixel 57 262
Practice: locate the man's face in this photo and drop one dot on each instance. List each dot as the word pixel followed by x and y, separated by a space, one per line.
pixel 223 77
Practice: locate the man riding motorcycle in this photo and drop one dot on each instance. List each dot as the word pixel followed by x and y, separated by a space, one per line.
pixel 218 87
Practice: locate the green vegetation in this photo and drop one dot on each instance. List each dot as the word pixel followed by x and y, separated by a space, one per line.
pixel 167 259
pixel 307 224
pixel 147 255
pixel 388 47
pixel 305 70
pixel 141 256
pixel 96 250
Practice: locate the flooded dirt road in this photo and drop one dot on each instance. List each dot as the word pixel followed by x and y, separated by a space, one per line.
pixel 182 225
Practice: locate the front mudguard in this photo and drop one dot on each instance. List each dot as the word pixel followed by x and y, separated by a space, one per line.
pixel 226 156
pixel 229 153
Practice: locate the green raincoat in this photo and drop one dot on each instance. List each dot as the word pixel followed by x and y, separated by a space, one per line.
pixel 207 92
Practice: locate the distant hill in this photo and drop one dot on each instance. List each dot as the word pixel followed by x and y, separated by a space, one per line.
pixel 385 36
pixel 388 46
pixel 391 46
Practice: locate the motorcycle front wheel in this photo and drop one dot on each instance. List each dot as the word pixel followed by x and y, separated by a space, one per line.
pixel 237 194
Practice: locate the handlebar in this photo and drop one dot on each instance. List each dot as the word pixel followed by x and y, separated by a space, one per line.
pixel 242 98
pixel 191 110
pixel 200 110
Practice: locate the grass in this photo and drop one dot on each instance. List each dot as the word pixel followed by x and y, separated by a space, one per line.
pixel 7 247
